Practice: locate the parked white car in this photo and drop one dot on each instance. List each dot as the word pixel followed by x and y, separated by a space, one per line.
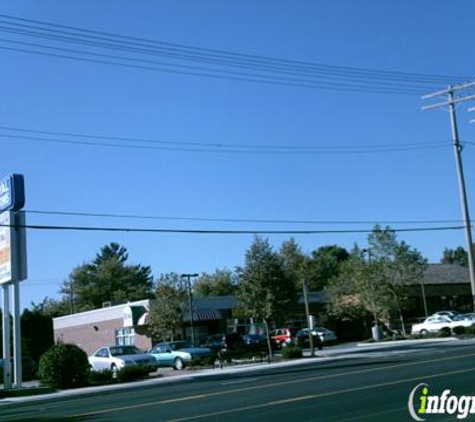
pixel 117 357
pixel 436 323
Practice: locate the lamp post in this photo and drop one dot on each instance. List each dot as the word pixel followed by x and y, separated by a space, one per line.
pixel 190 303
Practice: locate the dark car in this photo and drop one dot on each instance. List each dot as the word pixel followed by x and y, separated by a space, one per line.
pixel 258 342
pixel 227 343
pixel 302 339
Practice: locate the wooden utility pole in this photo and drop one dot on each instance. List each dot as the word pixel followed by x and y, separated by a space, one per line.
pixel 451 102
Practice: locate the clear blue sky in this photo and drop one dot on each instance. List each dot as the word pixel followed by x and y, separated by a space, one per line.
pixel 40 92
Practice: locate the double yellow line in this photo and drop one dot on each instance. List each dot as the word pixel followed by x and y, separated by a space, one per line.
pixel 290 382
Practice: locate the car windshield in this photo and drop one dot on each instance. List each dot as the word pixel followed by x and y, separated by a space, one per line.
pixel 124 350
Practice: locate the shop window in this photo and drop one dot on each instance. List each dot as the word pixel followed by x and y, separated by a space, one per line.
pixel 125 336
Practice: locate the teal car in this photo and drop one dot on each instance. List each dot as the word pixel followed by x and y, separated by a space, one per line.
pixel 178 354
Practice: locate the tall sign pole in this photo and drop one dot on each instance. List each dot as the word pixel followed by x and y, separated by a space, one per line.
pixel 190 304
pixel 451 102
pixel 12 270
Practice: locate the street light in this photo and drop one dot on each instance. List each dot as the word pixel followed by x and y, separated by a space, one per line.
pixel 190 303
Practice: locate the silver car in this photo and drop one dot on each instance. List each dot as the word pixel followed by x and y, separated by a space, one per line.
pixel 117 357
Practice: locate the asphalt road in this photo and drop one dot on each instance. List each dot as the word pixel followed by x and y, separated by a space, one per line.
pixel 373 387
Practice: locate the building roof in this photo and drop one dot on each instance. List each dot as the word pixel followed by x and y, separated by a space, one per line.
pixel 96 315
pixel 446 274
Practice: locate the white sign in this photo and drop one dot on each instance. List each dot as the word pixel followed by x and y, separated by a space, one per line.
pixel 5 248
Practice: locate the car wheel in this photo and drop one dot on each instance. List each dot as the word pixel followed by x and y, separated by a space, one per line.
pixel 178 364
pixel 114 370
pixel 424 332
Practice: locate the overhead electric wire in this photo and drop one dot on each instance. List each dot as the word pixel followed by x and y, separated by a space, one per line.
pixel 235 220
pixel 39 135
pixel 225 75
pixel 221 150
pixel 354 79
pixel 223 232
pixel 214 53
pixel 328 74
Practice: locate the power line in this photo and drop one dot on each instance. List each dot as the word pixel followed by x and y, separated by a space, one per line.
pixel 235 220
pixel 355 79
pixel 389 81
pixel 255 78
pixel 213 53
pixel 217 232
pixel 134 143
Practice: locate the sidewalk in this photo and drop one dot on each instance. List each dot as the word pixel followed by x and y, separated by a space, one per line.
pixel 166 375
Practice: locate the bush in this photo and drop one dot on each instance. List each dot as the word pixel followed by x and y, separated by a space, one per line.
pixel 64 366
pixel 459 330
pixel 445 332
pixel 292 352
pixel 132 373
pixel 105 376
pixel 470 330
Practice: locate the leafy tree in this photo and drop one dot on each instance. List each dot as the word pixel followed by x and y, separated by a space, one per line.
pixel 359 289
pixel 457 256
pixel 378 285
pixel 325 264
pixel 265 289
pixel 37 333
pixel 52 307
pixel 220 283
pixel 294 261
pixel 107 278
pixel 166 313
pixel 402 265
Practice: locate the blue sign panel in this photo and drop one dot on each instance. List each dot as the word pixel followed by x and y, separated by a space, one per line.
pixel 12 193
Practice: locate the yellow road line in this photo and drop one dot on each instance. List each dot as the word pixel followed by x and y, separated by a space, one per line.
pixel 276 384
pixel 316 396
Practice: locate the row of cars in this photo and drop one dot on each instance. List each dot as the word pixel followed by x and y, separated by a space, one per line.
pixel 443 320
pixel 288 336
pixel 178 354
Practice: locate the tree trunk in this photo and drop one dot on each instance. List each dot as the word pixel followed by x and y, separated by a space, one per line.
pixel 269 345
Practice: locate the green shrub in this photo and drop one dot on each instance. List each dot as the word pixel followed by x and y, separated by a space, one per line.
pixel 64 366
pixel 292 352
pixel 105 376
pixel 470 330
pixel 132 373
pixel 459 330
pixel 445 332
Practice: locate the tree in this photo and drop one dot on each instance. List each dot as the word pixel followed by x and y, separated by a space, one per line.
pixel 107 278
pixel 402 265
pixel 166 313
pixel 220 283
pixel 378 285
pixel 265 289
pixel 52 307
pixel 294 261
pixel 359 289
pixel 325 264
pixel 457 256
pixel 37 333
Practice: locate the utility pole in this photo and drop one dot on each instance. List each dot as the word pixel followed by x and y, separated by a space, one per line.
pixel 190 303
pixel 307 312
pixel 451 102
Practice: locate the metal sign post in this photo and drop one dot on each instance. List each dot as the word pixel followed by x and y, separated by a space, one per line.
pixel 13 269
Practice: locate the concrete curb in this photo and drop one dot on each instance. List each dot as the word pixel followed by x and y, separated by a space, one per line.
pixel 407 342
pixel 325 356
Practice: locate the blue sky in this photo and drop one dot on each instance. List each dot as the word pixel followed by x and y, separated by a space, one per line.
pixel 53 94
